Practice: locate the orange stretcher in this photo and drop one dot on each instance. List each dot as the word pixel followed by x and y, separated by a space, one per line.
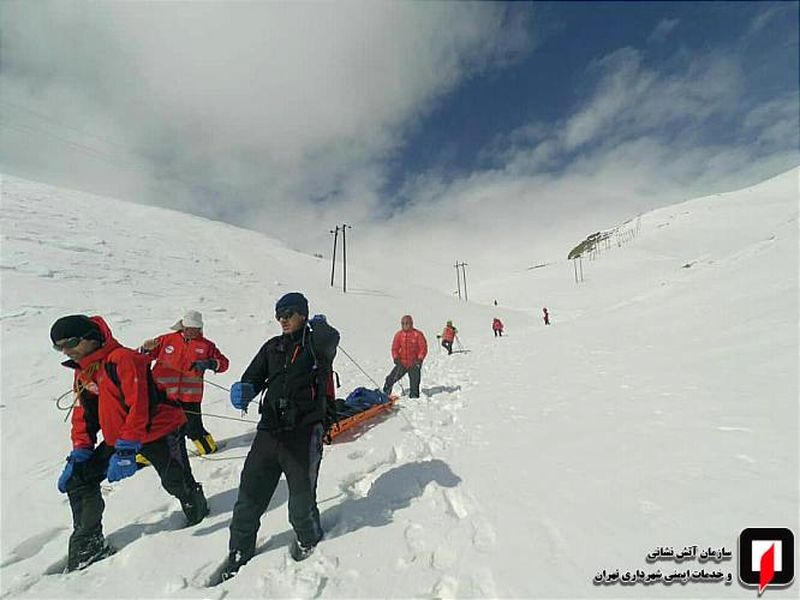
pixel 349 422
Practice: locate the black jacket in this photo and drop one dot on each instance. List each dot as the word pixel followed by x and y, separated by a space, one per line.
pixel 294 370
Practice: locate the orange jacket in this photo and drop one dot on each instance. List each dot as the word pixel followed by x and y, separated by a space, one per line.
pixel 126 411
pixel 409 346
pixel 174 356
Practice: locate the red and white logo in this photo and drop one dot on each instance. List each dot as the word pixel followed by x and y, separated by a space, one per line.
pixel 766 557
pixel 169 349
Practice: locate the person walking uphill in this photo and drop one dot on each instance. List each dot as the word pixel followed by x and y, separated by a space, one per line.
pixel 497 327
pixel 115 395
pixel 448 335
pixel 181 359
pixel 409 349
pixel 294 371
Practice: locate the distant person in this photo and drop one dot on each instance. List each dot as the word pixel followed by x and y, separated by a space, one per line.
pixel 115 396
pixel 448 336
pixel 181 358
pixel 495 302
pixel 409 349
pixel 497 327
pixel 546 316
pixel 294 372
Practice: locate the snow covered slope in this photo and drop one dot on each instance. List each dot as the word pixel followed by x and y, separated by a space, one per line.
pixel 660 408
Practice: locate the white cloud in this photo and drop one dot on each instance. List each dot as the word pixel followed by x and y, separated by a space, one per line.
pixel 662 31
pixel 274 102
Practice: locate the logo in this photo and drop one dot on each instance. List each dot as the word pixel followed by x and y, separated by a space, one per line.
pixel 766 557
pixel 169 350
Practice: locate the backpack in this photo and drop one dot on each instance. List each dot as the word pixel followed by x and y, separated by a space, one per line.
pixel 155 394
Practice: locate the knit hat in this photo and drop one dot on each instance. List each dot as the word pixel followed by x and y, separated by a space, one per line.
pixel 294 301
pixel 191 318
pixel 79 326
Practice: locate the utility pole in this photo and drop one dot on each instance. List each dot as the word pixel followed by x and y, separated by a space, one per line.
pixel 333 256
pixel 459 275
pixel 344 257
pixel 464 275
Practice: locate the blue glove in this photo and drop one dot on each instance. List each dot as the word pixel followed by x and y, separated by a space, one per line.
pixel 242 393
pixel 318 319
pixel 123 462
pixel 78 455
pixel 202 365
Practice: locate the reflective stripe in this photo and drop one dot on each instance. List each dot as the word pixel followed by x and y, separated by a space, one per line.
pixel 193 391
pixel 192 380
pixel 168 379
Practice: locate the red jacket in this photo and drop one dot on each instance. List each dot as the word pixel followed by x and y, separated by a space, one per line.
pixel 409 346
pixel 125 411
pixel 449 333
pixel 174 356
pixel 497 325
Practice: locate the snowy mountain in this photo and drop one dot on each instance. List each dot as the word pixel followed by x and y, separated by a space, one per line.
pixel 659 409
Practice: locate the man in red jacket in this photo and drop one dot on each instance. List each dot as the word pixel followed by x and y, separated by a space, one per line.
pixel 115 395
pixel 181 359
pixel 409 349
pixel 497 327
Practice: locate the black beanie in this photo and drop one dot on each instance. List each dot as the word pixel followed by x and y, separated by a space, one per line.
pixel 294 301
pixel 75 326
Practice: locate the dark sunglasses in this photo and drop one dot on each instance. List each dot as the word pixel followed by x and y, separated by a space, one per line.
pixel 68 343
pixel 284 315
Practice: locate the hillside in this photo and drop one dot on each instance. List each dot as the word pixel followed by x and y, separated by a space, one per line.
pixel 660 408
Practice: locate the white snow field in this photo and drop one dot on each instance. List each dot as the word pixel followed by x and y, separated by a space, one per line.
pixel 659 409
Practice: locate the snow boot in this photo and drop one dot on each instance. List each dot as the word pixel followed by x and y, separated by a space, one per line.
pixel 90 551
pixel 205 445
pixel 195 506
pixel 300 552
pixel 236 560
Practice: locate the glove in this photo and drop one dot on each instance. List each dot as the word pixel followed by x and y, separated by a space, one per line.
pixel 123 462
pixel 318 319
pixel 418 364
pixel 397 362
pixel 78 455
pixel 202 365
pixel 241 394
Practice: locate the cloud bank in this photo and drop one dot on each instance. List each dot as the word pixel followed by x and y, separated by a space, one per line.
pixel 283 117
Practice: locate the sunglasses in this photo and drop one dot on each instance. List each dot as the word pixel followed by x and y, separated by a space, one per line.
pixel 68 343
pixel 284 315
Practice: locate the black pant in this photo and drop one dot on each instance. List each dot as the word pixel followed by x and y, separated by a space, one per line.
pixel 296 454
pixel 498 332
pixel 168 457
pixel 194 420
pixel 448 344
pixel 396 374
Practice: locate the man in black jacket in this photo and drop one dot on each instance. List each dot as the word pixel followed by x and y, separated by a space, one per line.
pixel 294 372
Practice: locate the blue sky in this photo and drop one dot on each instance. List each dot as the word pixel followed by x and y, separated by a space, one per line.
pixel 556 77
pixel 391 115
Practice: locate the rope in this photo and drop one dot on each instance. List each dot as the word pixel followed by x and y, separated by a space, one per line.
pixel 377 385
pixel 224 389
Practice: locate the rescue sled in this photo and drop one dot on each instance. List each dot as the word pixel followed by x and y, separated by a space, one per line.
pixel 359 407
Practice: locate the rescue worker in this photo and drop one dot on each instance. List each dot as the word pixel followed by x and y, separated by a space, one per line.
pixel 294 370
pixel 546 316
pixel 115 395
pixel 181 358
pixel 497 327
pixel 409 349
pixel 448 335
